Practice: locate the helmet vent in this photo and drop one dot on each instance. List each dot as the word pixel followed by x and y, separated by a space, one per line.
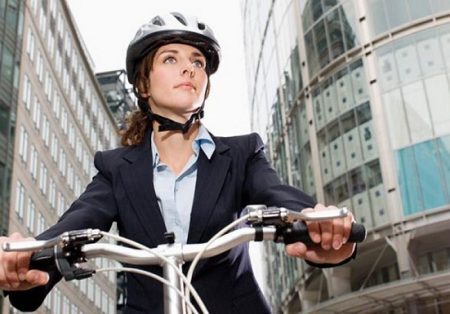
pixel 157 20
pixel 180 19
pixel 201 26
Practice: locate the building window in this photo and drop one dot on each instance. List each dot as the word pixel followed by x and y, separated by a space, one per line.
pixel 56 105
pixel 34 6
pixel 43 178
pixel 33 162
pixel 41 225
pixel 62 162
pixel 77 186
pixel 54 147
pixel 86 163
pixel 42 22
pixel 48 86
pixel 40 67
pixel 37 113
pixel 51 44
pixel 64 120
pixel 58 63
pixel 23 144
pixel 30 44
pixel 61 204
pixel 90 289
pixel 20 199
pixel 45 130
pixel 56 301
pixel 30 215
pixel 27 92
pixel 52 193
pixel 70 177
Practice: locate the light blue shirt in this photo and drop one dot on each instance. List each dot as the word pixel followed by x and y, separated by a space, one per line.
pixel 175 193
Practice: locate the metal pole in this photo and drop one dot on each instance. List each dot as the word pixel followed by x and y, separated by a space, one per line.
pixel 172 301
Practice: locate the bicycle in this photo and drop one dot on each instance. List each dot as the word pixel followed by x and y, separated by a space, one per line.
pixel 67 251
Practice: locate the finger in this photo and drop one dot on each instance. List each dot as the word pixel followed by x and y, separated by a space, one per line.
pixel 23 262
pixel 313 228
pixel 338 230
pixel 10 263
pixel 4 284
pixel 297 249
pixel 36 277
pixel 348 222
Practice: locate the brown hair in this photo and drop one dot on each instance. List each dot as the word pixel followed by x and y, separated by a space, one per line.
pixel 138 120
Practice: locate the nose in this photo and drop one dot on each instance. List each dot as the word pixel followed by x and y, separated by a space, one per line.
pixel 189 69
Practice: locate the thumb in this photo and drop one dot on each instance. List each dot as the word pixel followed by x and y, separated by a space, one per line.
pixel 37 277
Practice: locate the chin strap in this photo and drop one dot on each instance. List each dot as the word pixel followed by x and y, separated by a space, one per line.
pixel 166 124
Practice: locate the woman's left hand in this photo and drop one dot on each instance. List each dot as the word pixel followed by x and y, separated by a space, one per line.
pixel 331 238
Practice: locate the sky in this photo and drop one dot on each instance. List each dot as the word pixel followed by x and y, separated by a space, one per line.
pixel 107 27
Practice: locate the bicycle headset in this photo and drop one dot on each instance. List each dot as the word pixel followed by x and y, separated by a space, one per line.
pixel 165 29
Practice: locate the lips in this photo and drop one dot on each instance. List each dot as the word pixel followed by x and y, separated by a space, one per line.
pixel 186 85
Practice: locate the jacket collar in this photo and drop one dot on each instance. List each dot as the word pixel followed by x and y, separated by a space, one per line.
pixel 137 175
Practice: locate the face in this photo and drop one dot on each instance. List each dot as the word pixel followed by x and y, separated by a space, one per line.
pixel 177 81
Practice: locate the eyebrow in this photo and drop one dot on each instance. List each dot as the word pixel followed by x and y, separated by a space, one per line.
pixel 194 53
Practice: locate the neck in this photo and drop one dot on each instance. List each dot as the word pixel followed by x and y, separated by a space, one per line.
pixel 174 147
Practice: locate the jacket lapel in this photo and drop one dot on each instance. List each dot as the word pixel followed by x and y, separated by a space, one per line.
pixel 211 174
pixel 137 176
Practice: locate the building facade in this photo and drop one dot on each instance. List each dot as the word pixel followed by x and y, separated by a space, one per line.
pixel 353 100
pixel 61 119
pixel 118 96
pixel 11 33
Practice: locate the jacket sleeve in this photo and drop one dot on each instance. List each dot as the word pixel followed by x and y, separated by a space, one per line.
pixel 95 208
pixel 263 185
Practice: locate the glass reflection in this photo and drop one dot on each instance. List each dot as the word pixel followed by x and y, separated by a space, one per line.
pixel 335 34
pixel 377 17
pixel 321 43
pixel 397 12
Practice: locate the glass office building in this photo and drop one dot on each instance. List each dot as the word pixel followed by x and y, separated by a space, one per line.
pixel 353 101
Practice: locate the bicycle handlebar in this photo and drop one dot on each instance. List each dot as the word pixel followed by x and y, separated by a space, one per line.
pixel 45 259
pixel 278 224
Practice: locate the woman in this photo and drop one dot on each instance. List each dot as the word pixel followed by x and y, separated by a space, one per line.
pixel 173 175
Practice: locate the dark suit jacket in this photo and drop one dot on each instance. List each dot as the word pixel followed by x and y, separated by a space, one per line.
pixel 238 174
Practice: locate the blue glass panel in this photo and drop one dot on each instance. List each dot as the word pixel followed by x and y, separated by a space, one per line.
pixel 397 12
pixel 419 8
pixel 444 151
pixel 408 181
pixel 431 182
pixel 377 17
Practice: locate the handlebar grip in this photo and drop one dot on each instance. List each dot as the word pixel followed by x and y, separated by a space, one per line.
pixel 43 260
pixel 299 233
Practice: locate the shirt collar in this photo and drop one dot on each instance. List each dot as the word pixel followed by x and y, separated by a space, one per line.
pixel 203 141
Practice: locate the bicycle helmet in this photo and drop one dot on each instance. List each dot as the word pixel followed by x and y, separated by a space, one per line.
pixel 172 28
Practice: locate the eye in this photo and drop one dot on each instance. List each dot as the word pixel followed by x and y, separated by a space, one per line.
pixel 170 60
pixel 199 63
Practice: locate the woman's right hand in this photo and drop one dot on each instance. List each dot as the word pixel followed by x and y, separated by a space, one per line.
pixel 14 268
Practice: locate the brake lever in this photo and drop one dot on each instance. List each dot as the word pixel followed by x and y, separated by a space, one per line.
pixel 263 215
pixel 69 238
pixel 62 252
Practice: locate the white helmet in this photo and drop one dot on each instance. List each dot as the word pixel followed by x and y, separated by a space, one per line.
pixel 172 28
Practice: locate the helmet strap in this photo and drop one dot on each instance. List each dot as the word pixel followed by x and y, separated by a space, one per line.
pixel 166 124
